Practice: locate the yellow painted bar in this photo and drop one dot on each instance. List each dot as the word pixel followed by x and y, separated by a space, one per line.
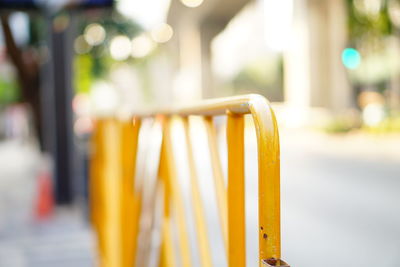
pixel 167 256
pixel 130 134
pixel 268 179
pixel 96 183
pixel 220 186
pixel 137 204
pixel 135 197
pixel 111 179
pixel 236 204
pixel 149 190
pixel 202 234
pixel 176 196
pixel 96 151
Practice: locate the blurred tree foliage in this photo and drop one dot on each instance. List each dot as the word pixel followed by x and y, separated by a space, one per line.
pixel 374 30
pixel 9 91
pixel 372 27
pixel 368 20
pixel 95 63
pixel 83 74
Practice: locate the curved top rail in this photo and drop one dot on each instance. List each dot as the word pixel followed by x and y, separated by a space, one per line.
pixel 268 159
pixel 213 107
pixel 112 156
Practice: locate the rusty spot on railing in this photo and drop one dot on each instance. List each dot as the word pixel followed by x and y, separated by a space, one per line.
pixel 274 262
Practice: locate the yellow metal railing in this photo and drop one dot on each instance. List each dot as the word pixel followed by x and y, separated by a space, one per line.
pixel 139 203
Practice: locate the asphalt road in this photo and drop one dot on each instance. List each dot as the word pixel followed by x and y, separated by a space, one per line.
pixel 340 200
pixel 340 206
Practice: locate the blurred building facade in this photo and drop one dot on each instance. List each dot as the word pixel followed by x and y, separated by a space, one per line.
pixel 313 71
pixel 305 41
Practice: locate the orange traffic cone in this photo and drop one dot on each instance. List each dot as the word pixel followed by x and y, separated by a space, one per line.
pixel 45 201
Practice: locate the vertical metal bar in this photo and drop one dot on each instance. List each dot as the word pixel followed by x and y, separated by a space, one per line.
pixel 149 195
pixel 268 180
pixel 96 151
pixel 137 204
pixel 110 184
pixel 98 200
pixel 132 220
pixel 167 258
pixel 236 205
pixel 176 197
pixel 130 133
pixel 202 234
pixel 138 183
pixel 220 186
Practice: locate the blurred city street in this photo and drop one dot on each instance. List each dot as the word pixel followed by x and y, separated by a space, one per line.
pixel 118 119
pixel 340 199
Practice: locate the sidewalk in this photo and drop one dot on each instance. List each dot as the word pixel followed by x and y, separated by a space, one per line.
pixel 65 239
pixel 340 199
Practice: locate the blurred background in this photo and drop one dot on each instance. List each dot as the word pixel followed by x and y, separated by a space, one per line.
pixel 330 67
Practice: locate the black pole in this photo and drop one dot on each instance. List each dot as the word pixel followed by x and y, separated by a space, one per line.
pixel 57 110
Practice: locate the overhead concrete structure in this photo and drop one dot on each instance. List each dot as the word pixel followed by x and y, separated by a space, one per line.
pixel 314 74
pixel 194 30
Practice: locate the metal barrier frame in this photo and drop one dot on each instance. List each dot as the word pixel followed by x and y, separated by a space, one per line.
pixel 231 201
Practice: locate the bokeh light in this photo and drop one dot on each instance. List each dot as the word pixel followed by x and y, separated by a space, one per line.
pixel 373 114
pixel 81 46
pixel 163 33
pixel 142 45
pixel 61 22
pixel 192 3
pixel 104 98
pixel 368 7
pixel 83 125
pixel 120 47
pixel 94 34
pixel 351 58
pixel 81 104
pixel 147 13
